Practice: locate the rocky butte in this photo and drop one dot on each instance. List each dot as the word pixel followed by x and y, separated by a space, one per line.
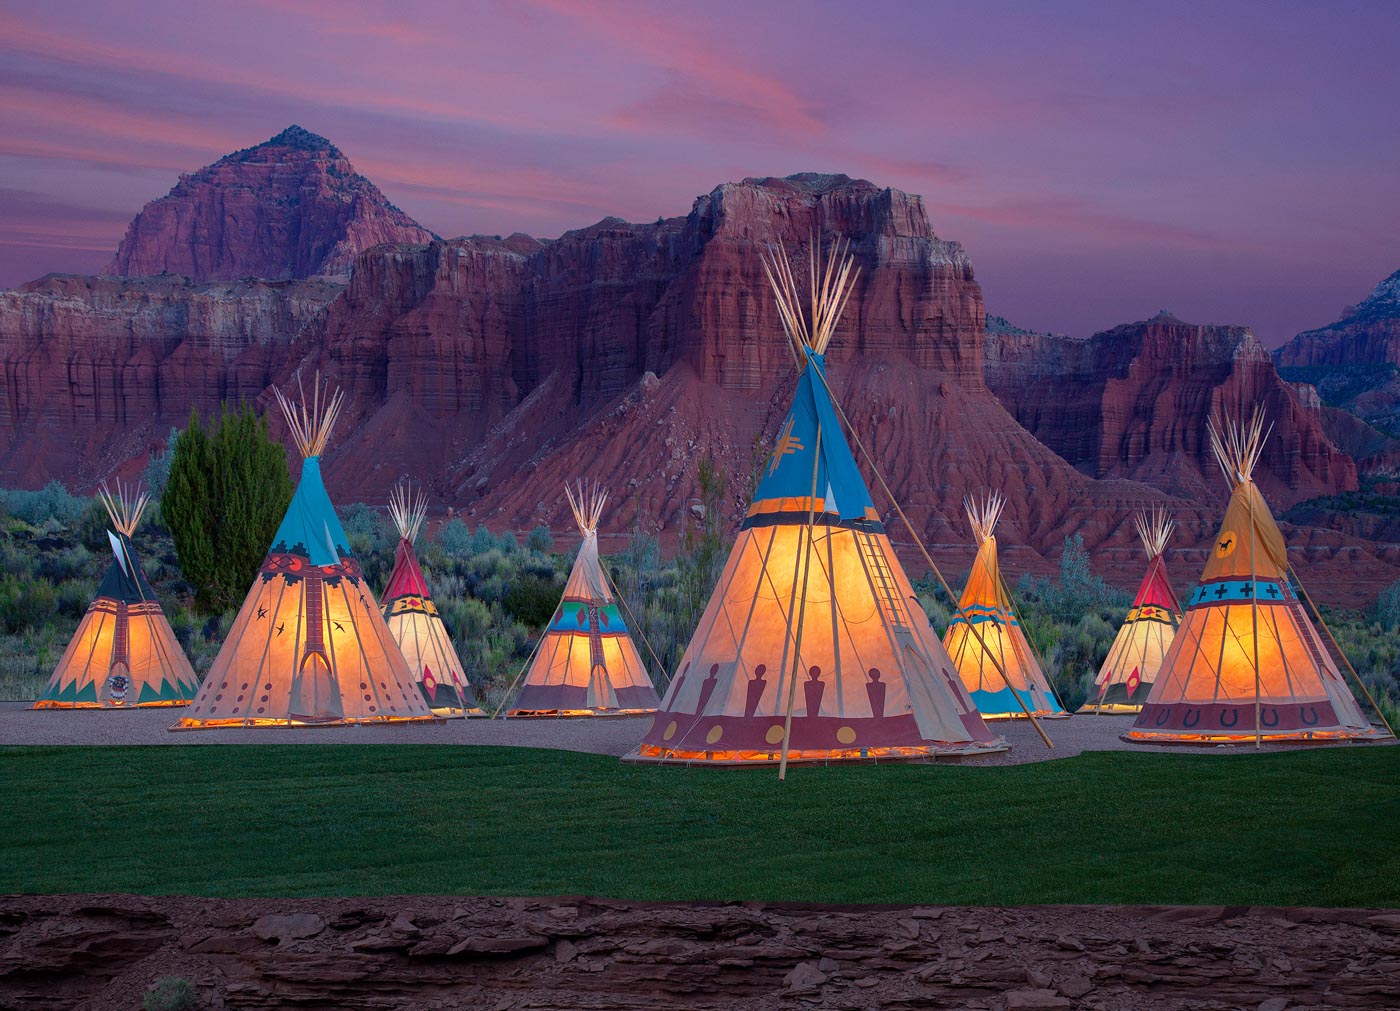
pixel 497 369
pixel 288 208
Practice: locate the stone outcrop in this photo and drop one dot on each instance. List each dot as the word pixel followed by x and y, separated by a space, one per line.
pixel 292 207
pixel 76 952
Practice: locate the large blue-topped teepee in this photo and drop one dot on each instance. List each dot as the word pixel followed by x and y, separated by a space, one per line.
pixel 813 646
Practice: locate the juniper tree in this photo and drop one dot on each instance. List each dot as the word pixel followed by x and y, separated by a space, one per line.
pixel 227 492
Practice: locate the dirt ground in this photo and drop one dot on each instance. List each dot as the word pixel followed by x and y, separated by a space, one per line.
pixel 18 725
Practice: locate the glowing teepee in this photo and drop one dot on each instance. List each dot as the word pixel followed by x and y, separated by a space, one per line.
pixel 813 646
pixel 309 646
pixel 414 621
pixel 124 654
pixel 1246 663
pixel 986 604
pixel 586 663
pixel 1133 660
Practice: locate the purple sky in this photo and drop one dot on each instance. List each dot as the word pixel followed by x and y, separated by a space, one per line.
pixel 1099 163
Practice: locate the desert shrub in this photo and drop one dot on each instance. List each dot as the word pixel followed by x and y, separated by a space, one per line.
pixel 227 493
pixel 532 600
pixel 25 604
pixel 454 538
pixel 540 540
pixel 1388 607
pixel 52 502
pixel 170 993
pixel 157 473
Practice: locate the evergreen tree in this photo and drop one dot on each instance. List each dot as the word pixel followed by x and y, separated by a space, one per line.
pixel 227 492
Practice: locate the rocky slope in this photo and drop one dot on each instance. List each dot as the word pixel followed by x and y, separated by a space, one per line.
pixel 87 952
pixel 1355 362
pixel 292 207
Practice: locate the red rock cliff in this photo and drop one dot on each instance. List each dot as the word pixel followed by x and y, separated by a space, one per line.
pixel 1133 402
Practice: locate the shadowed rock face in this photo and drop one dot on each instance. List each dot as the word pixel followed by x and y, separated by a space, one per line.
pixel 1133 402
pixel 289 208
pixel 70 952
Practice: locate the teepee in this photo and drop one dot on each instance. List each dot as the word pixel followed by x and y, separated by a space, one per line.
pixel 124 654
pixel 414 621
pixel 986 603
pixel 586 663
pixel 1133 660
pixel 309 646
pixel 1246 663
pixel 813 646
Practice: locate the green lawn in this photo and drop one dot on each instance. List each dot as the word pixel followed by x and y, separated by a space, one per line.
pixel 1304 828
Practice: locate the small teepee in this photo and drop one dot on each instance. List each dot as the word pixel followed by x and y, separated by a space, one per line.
pixel 986 603
pixel 1131 666
pixel 813 646
pixel 309 646
pixel 586 663
pixel 1247 663
pixel 124 654
pixel 414 621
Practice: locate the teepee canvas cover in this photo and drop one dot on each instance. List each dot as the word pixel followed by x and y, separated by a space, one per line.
pixel 124 654
pixel 309 646
pixel 1246 659
pixel 1133 660
pixel 813 646
pixel 586 663
pixel 986 604
pixel 414 621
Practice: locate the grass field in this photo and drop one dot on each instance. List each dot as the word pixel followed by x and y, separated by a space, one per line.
pixel 1304 828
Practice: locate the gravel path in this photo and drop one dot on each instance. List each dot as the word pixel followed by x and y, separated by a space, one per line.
pixel 18 725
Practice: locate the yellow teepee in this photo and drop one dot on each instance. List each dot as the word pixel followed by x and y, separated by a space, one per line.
pixel 586 663
pixel 413 617
pixel 1246 663
pixel 1127 674
pixel 124 654
pixel 986 604
pixel 309 646
pixel 813 646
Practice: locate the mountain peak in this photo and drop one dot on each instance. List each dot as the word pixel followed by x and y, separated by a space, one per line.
pixel 293 138
pixel 290 207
